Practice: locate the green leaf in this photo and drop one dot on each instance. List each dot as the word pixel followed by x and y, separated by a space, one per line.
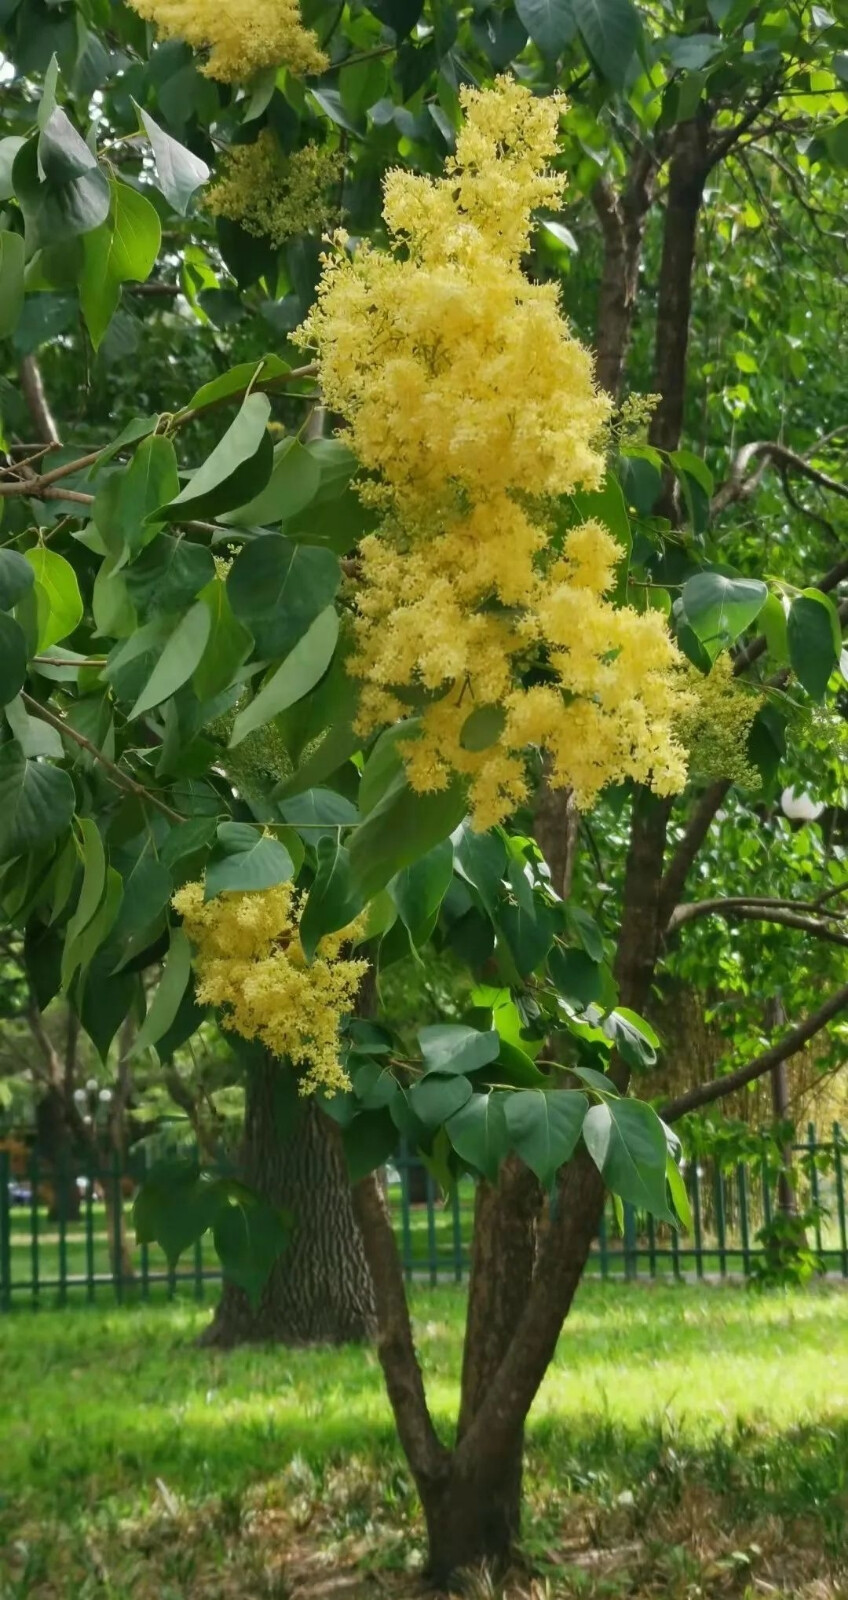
pixel 35 737
pixel 551 24
pixel 610 30
pixel 333 900
pixel 813 651
pixel 482 728
pixel 9 148
pixel 374 1085
pixel 168 574
pixel 479 1134
pixel 516 1069
pixel 172 985
pixel 227 647
pixel 36 802
pixel 679 1195
pixel 179 171
pixel 626 1141
pixel 480 858
pixel 292 486
pixel 529 932
pixel 122 250
pixel 418 891
pixel 237 379
pixel 147 886
pixel 384 763
pixel 368 1142
pixel 249 860
pixel 57 596
pixel 179 659
pixel 72 198
pixel 451 1047
pixel 249 1237
pixel 773 623
pixel 16 578
pixel 175 1206
pixel 91 894
pixel 402 827
pixel 586 929
pixel 278 588
pixel 435 1099
pixel 303 667
pixel 718 608
pixel 13 658
pixel 595 1080
pixel 240 465
pixel 544 1128
pixel 12 256
pixel 577 977
pixel 633 1037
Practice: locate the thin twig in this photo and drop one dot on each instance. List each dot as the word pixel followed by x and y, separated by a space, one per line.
pixel 119 778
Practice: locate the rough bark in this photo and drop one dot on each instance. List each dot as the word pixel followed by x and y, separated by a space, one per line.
pixel 622 219
pixel 319 1291
pixel 688 171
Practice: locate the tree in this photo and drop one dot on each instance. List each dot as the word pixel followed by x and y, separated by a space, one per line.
pixel 162 640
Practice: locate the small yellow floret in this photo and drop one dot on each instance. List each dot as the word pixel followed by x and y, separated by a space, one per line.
pixel 716 726
pixel 250 963
pixel 273 195
pixel 243 36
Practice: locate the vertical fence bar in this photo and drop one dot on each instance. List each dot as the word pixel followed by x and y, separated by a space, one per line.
pixel 602 1242
pixel 840 1197
pixel 720 1221
pixel 432 1247
pixel 630 1260
pixel 675 1253
pixel 405 1218
pixel 456 1226
pixel 117 1228
pixel 65 1178
pixel 766 1193
pixel 812 1146
pixel 5 1232
pixel 742 1183
pixel 652 1246
pixel 696 1218
pixel 90 1179
pixel 33 1225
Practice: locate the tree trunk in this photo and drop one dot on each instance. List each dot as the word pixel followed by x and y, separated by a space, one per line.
pixel 787 1199
pixel 320 1290
pixel 56 1145
pixel 473 1519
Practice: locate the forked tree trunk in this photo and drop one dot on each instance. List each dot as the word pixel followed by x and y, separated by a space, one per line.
pixel 319 1291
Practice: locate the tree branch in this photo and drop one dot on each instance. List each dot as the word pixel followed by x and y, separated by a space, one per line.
pixel 741 481
pixel 776 911
pixel 119 778
pixel 38 406
pixel 788 1046
pixel 427 1456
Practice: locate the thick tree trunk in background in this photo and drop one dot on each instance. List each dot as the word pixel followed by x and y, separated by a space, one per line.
pixel 56 1146
pixel 622 219
pixel 787 1199
pixel 319 1291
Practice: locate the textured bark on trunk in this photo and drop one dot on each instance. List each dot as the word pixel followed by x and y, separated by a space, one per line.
pixel 622 218
pixel 320 1290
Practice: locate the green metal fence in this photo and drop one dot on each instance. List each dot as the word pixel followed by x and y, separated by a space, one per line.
pixel 67 1237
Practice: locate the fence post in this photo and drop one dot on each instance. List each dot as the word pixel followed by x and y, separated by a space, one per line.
pixel 696 1218
pixel 64 1177
pixel 432 1248
pixel 33 1225
pixel 89 1227
pixel 652 1246
pixel 117 1228
pixel 631 1266
pixel 720 1220
pixel 5 1233
pixel 812 1146
pixel 405 1220
pixel 742 1180
pixel 840 1197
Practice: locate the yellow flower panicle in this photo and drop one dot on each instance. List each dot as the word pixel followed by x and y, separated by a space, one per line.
pixel 716 725
pixel 273 195
pixel 474 408
pixel 243 36
pixel 249 962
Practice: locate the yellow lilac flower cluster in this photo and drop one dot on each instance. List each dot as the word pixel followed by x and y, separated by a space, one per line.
pixel 249 962
pixel 274 195
pixel 717 722
pixel 474 408
pixel 243 37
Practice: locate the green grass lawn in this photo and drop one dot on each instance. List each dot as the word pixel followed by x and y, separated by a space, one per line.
pixel 687 1442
